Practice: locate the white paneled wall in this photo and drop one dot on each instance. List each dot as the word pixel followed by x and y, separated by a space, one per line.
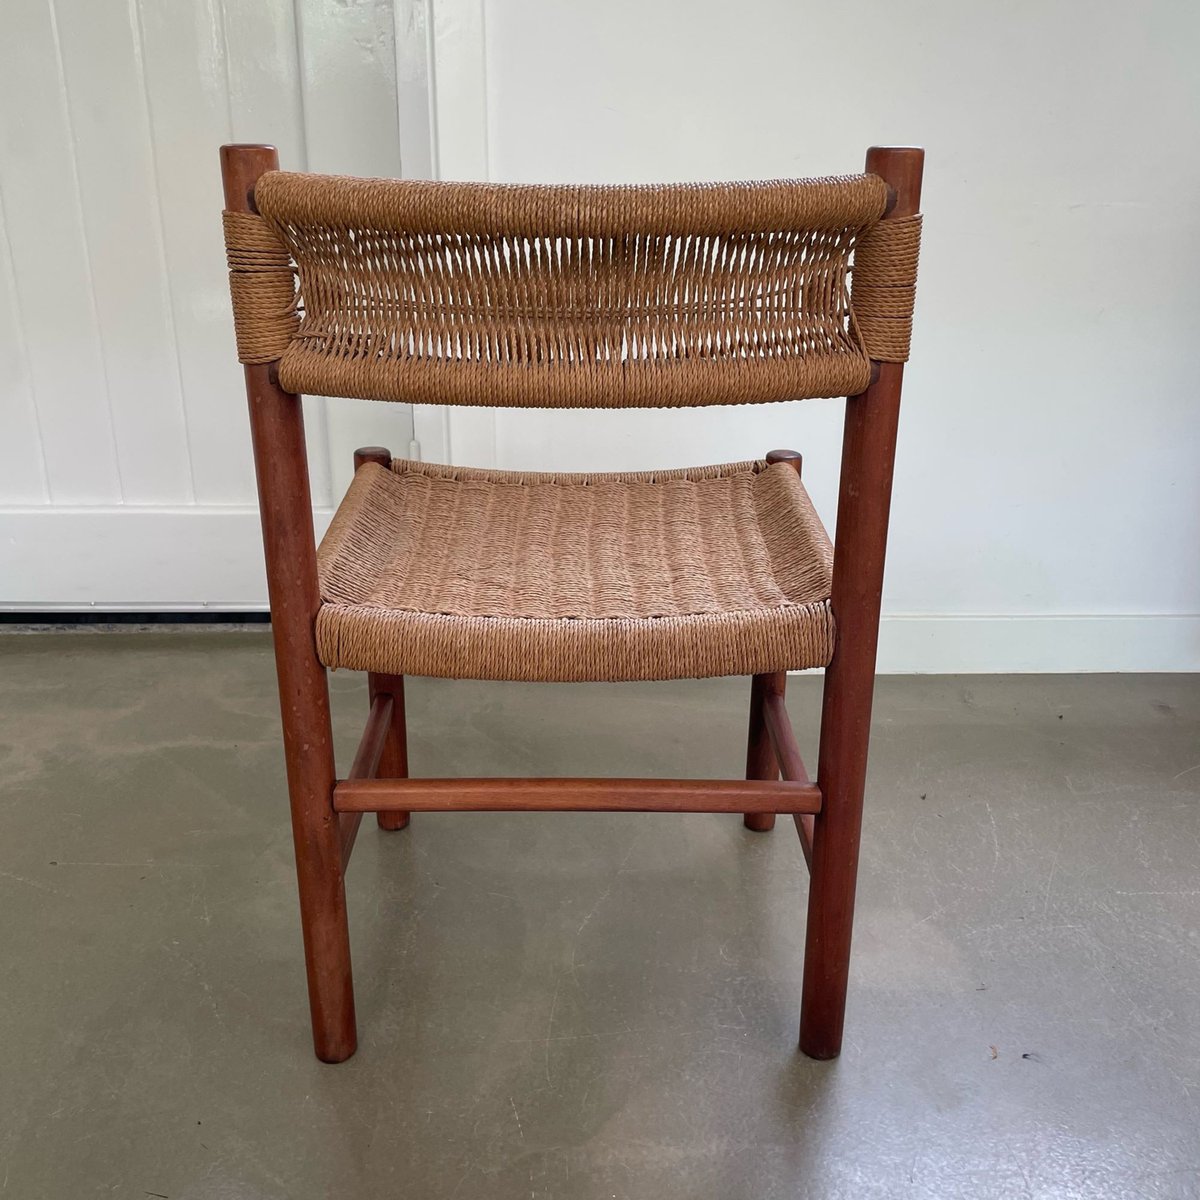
pixel 1047 509
pixel 125 470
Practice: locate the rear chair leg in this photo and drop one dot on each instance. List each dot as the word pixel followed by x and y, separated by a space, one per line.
pixel 394 762
pixel 760 754
pixel 868 447
pixel 860 546
pixel 285 502
pixel 308 741
pixel 837 828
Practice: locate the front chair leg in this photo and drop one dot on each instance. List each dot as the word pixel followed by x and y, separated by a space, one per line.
pixel 393 764
pixel 760 754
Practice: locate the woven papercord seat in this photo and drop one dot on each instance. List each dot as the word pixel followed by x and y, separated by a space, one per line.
pixel 430 570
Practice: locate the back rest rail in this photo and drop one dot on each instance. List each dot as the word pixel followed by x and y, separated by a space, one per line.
pixel 571 296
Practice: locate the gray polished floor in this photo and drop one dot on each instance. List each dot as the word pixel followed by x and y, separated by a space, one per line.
pixel 593 1005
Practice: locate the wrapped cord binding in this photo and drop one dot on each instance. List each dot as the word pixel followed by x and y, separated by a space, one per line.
pixel 885 287
pixel 262 284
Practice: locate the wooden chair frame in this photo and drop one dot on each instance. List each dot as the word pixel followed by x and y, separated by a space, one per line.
pixel 326 811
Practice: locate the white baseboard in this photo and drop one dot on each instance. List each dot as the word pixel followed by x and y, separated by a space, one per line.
pixel 1016 643
pixel 193 559
pixel 133 559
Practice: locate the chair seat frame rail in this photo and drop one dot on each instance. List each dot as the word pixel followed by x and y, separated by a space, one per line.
pixel 326 810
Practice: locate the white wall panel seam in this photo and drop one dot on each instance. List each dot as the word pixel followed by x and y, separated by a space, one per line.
pixel 459 112
pixel 397 35
pixel 219 12
pixel 483 90
pixel 435 142
pixel 492 424
pixel 160 244
pixel 302 94
pixel 23 349
pixel 68 120
pixel 297 47
pixel 194 102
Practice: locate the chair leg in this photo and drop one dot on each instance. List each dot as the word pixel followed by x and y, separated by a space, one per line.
pixel 845 725
pixel 760 754
pixel 394 763
pixel 289 550
pixel 868 446
pixel 308 744
pixel 277 429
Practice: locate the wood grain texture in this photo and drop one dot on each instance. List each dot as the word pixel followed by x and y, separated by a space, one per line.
pixel 783 739
pixel 760 757
pixel 575 795
pixel 277 434
pixel 762 761
pixel 860 544
pixel 366 765
pixel 394 763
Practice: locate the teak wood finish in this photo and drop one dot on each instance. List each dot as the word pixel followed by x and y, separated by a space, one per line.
pixel 575 795
pixel 285 505
pixel 326 812
pixel 394 764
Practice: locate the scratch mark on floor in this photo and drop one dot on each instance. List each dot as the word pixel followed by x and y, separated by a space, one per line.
pixel 1050 883
pixel 33 883
pixel 550 1028
pixel 995 835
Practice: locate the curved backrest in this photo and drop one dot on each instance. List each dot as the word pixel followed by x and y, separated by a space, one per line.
pixel 572 296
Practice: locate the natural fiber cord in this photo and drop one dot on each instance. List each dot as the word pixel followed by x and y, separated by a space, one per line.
pixel 564 297
pixel 572 296
pixel 263 286
pixel 429 570
pixel 885 286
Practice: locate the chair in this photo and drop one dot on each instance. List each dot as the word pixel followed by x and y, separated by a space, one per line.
pixel 605 297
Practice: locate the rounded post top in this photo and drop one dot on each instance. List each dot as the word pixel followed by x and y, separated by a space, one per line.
pixel 372 454
pixel 241 165
pixel 791 457
pixel 901 168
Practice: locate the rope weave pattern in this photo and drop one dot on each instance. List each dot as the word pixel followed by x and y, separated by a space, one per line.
pixel 429 570
pixel 571 296
pixel 885 286
pixel 262 284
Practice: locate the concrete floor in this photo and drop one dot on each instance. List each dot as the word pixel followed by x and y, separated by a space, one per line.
pixel 593 1005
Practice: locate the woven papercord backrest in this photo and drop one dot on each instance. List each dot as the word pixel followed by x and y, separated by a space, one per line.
pixel 573 296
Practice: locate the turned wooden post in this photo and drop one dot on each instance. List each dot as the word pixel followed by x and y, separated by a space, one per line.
pixel 394 763
pixel 868 452
pixel 285 506
pixel 760 756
